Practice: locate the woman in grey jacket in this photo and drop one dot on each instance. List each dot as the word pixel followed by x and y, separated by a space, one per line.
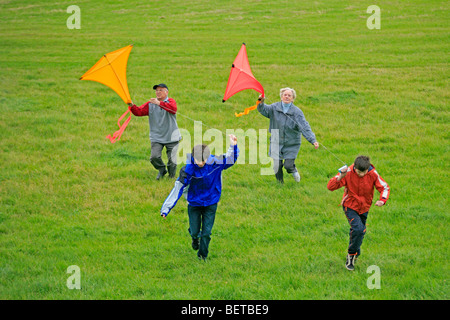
pixel 287 125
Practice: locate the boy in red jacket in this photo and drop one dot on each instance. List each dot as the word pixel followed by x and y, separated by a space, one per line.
pixel 359 181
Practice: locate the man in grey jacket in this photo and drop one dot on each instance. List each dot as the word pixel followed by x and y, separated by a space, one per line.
pixel 164 130
pixel 290 123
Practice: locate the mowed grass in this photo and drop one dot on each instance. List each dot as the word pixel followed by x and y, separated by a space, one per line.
pixel 70 197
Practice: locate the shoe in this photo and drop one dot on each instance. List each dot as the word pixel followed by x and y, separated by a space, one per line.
pixel 296 176
pixel 172 172
pixel 161 174
pixel 195 244
pixel 350 262
pixel 200 257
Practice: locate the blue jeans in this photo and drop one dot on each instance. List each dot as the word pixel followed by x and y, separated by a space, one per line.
pixel 357 229
pixel 201 221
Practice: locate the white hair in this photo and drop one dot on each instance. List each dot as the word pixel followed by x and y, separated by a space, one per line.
pixel 294 94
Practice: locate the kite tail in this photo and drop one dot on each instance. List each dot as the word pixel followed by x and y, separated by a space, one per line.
pixel 116 136
pixel 247 110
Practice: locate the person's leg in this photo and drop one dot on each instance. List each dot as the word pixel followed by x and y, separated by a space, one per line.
pixel 289 165
pixel 278 169
pixel 171 149
pixel 195 219
pixel 363 218
pixel 357 230
pixel 209 215
pixel 155 159
pixel 356 235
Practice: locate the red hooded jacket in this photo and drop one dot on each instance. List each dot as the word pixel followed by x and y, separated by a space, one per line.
pixel 358 193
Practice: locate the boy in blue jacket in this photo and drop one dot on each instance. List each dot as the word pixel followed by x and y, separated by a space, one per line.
pixel 202 175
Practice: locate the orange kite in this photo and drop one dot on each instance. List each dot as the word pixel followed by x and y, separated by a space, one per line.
pixel 241 78
pixel 111 70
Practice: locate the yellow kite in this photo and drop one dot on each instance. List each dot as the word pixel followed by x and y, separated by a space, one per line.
pixel 111 70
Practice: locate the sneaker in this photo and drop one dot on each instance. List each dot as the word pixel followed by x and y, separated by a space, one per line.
pixel 296 176
pixel 349 263
pixel 195 244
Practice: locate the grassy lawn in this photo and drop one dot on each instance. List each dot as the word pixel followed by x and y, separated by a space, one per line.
pixel 70 197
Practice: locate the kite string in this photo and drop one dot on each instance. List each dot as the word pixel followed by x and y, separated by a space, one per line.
pixel 178 113
pixel 321 144
pixel 332 153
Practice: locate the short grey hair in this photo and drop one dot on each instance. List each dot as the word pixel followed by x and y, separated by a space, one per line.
pixel 294 94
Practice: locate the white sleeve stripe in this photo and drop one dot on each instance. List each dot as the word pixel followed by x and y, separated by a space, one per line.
pixel 172 198
pixel 384 184
pixel 230 153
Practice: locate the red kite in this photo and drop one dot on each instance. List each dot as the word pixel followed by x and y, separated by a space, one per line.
pixel 111 70
pixel 241 78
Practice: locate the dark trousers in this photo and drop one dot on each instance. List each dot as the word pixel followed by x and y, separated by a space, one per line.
pixel 357 229
pixel 201 221
pixel 289 165
pixel 158 163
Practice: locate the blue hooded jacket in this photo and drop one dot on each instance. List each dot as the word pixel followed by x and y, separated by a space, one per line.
pixel 204 183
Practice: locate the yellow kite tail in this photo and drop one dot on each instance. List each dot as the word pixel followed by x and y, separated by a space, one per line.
pixel 247 110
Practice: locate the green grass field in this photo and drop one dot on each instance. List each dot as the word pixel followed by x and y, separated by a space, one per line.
pixel 70 197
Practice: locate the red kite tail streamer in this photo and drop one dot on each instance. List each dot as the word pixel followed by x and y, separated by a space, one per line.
pixel 116 136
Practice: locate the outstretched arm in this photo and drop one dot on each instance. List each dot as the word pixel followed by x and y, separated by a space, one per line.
pixel 232 154
pixel 264 109
pixel 306 130
pixel 176 193
pixel 138 111
pixel 337 181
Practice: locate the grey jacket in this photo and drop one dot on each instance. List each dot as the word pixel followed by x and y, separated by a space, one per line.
pixel 290 126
